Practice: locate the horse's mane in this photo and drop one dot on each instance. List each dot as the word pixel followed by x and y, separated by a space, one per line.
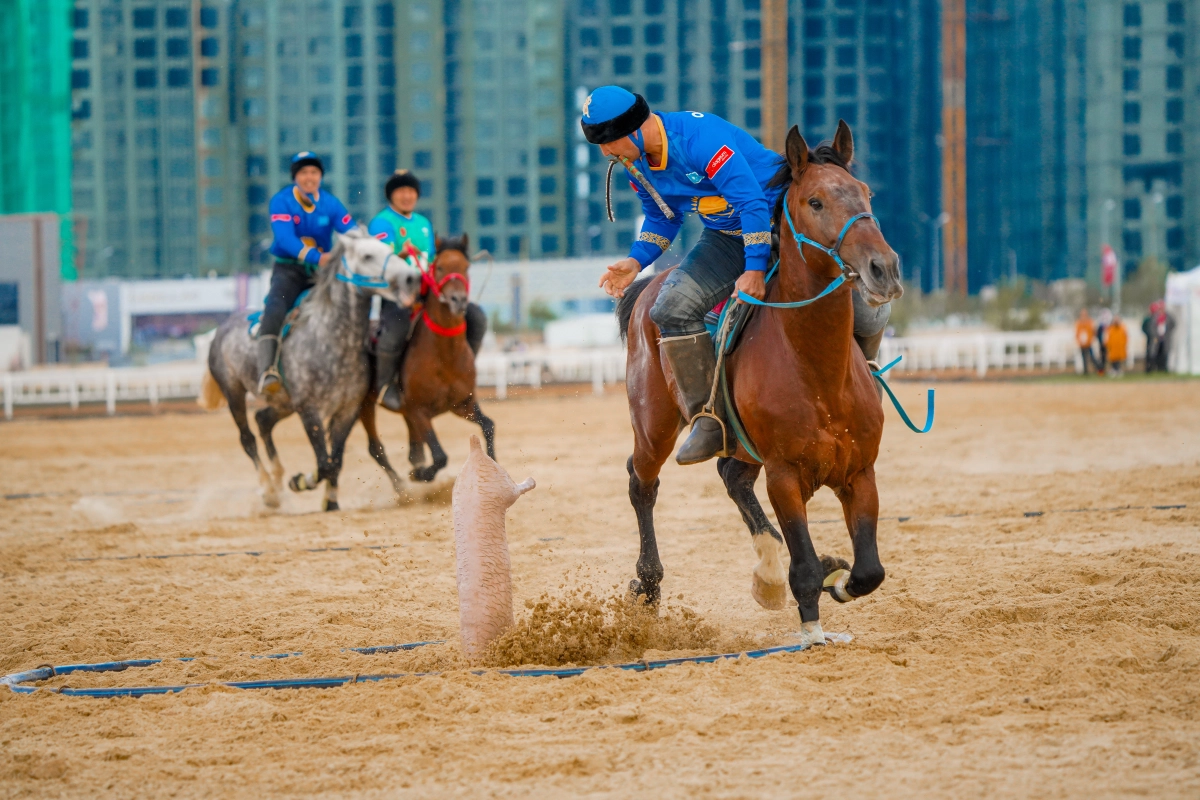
pixel 458 243
pixel 823 154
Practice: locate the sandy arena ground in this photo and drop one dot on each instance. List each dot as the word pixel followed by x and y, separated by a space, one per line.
pixel 1005 655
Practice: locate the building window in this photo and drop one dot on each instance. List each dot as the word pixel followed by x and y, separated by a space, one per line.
pixel 752 58
pixel 1175 13
pixel 1174 238
pixel 384 15
pixel 487 216
pixel 622 35
pixel 620 8
pixel 654 34
pixel 547 156
pixel 847 56
pixel 1133 208
pixel 655 92
pixel 210 77
pixel 80 79
pixel 814 116
pixel 179 77
pixel 814 57
pixel 1174 78
pixel 846 85
pixel 549 243
pixel 753 117
pixel 1133 15
pixel 1133 113
pixel 1132 145
pixel 488 243
pixel 208 17
pixel 516 215
pixel 143 18
pixel 1175 44
pixel 547 185
pixel 79 48
pixel 655 7
pixel 622 65
pixel 384 45
pixel 846 28
pixel 1175 206
pixel 145 48
pixel 752 89
pixel 848 112
pixel 1131 79
pixel 548 214
pixel 177 48
pixel 516 187
pixel 814 28
pixel 814 87
pixel 354 46
pixel 145 78
pixel 83 110
pixel 1174 142
pixel 654 63
pixel 209 47
pixel 1132 242
pixel 1175 110
pixel 485 187
pixel 877 25
pixel 212 196
pixel 352 17
pixel 589 37
pixel 514 245
pixel 212 168
pixel 751 30
pixel 1131 48
pixel 423 159
pixel 80 19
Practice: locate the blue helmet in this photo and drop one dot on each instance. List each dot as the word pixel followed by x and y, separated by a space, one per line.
pixel 612 113
pixel 306 159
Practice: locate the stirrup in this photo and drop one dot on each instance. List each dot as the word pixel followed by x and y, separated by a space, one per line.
pixel 710 412
pixel 270 388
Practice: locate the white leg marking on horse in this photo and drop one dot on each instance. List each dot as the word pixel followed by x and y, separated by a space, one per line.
pixel 277 472
pixel 270 494
pixel 330 495
pixel 768 582
pixel 811 633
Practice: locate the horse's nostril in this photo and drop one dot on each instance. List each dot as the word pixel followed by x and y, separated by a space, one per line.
pixel 876 269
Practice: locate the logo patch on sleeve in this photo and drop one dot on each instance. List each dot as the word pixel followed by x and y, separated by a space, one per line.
pixel 719 160
pixel 346 220
pixel 381 235
pixel 281 218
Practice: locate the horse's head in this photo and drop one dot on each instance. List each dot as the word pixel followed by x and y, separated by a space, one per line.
pixel 823 197
pixel 371 264
pixel 448 274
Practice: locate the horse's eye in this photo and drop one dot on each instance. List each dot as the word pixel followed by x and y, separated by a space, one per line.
pixel 815 203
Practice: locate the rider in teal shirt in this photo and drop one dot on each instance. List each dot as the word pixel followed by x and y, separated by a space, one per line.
pixel 401 226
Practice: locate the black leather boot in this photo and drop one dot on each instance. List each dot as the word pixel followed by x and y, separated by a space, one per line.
pixel 387 388
pixel 269 381
pixel 692 363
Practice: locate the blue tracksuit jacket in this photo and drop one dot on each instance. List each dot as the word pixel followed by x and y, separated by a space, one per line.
pixel 715 169
pixel 303 225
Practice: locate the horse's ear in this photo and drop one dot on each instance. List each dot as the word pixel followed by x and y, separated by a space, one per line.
pixel 466 243
pixel 437 243
pixel 797 152
pixel 341 243
pixel 843 142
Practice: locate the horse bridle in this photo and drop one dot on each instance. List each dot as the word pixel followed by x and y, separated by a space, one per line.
pixel 430 283
pixel 844 272
pixel 346 275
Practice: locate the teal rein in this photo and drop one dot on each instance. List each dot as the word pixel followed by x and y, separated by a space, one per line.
pixel 833 252
pixel 354 279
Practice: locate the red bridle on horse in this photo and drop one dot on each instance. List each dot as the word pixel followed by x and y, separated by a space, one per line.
pixel 430 283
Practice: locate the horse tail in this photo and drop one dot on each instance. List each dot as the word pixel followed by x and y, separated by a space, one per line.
pixel 211 397
pixel 625 304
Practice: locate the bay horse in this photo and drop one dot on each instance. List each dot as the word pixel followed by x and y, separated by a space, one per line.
pixel 438 370
pixel 322 360
pixel 799 383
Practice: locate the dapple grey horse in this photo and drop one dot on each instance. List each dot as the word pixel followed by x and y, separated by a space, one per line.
pixel 323 361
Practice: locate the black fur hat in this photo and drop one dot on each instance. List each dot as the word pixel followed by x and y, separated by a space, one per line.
pixel 618 127
pixel 399 178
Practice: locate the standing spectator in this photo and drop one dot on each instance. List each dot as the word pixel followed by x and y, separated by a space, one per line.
pixel 1116 342
pixel 1085 332
pixel 1149 328
pixel 1101 329
pixel 1164 329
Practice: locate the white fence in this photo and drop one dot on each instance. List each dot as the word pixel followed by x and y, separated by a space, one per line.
pixel 980 353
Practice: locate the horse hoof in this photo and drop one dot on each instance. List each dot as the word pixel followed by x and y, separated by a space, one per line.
pixel 636 590
pixel 423 474
pixel 329 505
pixel 771 596
pixel 811 633
pixel 835 584
pixel 301 483
pixel 271 500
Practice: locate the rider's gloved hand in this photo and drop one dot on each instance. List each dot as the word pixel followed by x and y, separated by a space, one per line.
pixel 619 276
pixel 752 283
pixel 325 259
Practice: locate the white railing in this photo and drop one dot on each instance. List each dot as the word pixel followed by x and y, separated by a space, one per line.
pixel 602 366
pixel 985 351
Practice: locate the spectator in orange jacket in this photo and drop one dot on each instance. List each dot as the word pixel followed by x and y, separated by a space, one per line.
pixel 1085 334
pixel 1117 340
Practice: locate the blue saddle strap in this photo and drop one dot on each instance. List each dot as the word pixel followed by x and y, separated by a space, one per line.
pixel 878 375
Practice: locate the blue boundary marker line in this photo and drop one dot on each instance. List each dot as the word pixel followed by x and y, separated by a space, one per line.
pixel 241 553
pixel 46 672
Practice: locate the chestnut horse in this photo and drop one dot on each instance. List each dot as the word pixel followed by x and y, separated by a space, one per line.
pixel 800 384
pixel 438 372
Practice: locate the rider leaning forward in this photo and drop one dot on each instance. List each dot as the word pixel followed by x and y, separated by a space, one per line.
pixel 689 162
pixel 399 225
pixel 303 219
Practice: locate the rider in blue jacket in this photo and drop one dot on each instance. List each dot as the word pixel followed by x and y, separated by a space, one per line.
pixel 690 162
pixel 303 219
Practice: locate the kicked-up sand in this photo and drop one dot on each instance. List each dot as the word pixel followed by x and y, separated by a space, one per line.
pixel 1006 655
